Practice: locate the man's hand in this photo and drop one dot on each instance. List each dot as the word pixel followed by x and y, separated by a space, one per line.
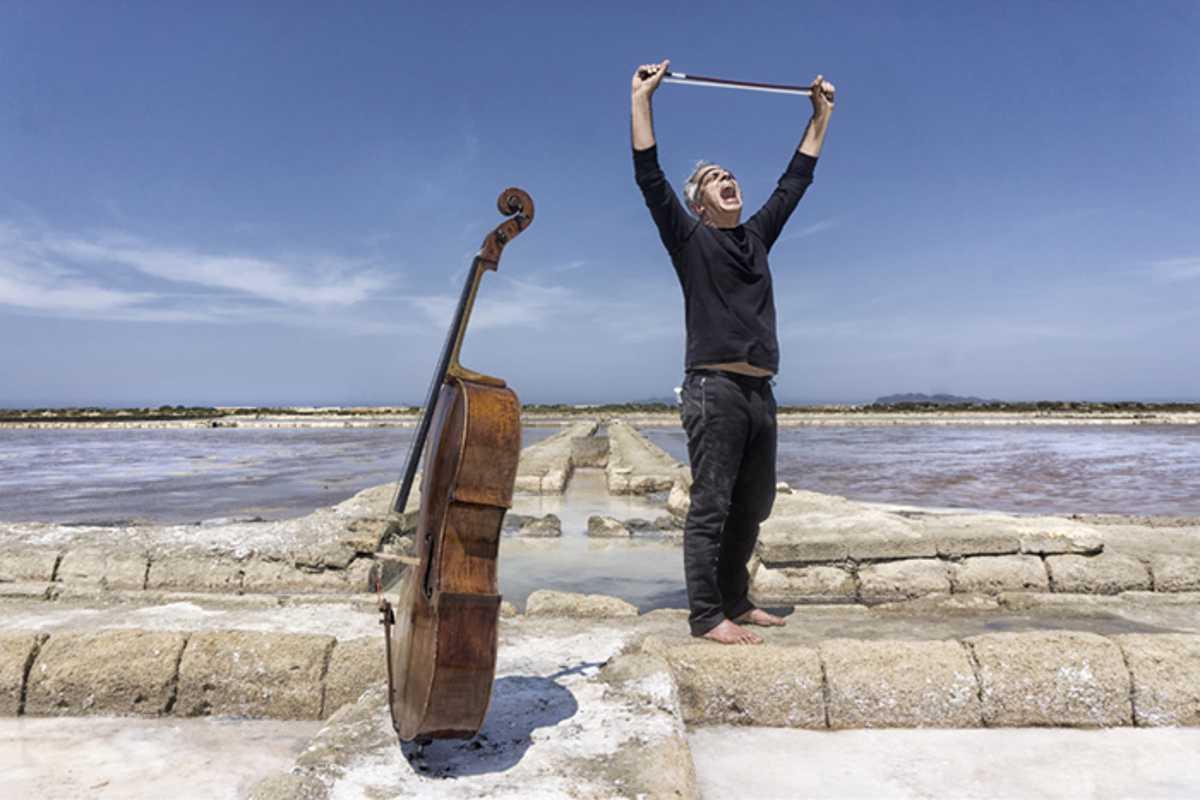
pixel 645 81
pixel 822 103
pixel 822 97
pixel 647 78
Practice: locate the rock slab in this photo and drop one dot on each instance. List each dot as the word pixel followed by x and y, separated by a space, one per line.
pixel 784 586
pixel 122 672
pixel 547 603
pixel 1057 678
pixel 549 526
pixel 1165 669
pixel 354 665
pixel 764 685
pixel 890 581
pixel 97 566
pixel 1175 573
pixel 996 574
pixel 254 674
pixel 27 564
pixel 17 651
pixel 1106 573
pixel 900 684
pixel 607 528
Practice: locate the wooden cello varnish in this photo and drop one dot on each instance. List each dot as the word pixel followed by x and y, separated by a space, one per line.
pixel 442 633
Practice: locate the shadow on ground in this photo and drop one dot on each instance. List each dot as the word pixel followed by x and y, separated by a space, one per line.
pixel 520 705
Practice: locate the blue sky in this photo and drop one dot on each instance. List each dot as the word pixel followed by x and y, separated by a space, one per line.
pixel 277 203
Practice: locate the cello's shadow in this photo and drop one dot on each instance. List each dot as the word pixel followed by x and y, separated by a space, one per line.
pixel 520 705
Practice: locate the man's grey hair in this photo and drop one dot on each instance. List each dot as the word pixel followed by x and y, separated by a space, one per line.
pixel 691 188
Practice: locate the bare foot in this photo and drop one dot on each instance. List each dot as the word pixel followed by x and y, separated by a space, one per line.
pixel 729 633
pixel 756 616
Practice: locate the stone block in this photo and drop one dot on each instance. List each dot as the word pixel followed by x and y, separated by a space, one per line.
pixel 549 526
pixel 253 674
pixel 328 556
pixel 1055 679
pixel 1057 536
pixel 194 572
pixel 18 564
pixel 786 541
pixel 114 671
pixel 101 566
pixel 607 528
pixel 282 577
pixel 555 481
pixel 764 685
pixel 895 684
pixel 880 536
pixel 658 762
pixel 996 574
pixel 960 535
pixel 354 665
pixel 1165 669
pixel 846 533
pixel 1106 573
pixel 546 603
pixel 901 580
pixel 529 484
pixel 17 651
pixel 785 586
pixel 1175 573
pixel 28 590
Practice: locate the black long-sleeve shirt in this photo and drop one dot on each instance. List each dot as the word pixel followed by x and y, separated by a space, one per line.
pixel 729 306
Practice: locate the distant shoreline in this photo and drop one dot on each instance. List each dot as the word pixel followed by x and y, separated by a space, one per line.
pixel 636 414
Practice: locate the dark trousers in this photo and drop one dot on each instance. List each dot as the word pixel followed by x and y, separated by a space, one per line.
pixel 730 425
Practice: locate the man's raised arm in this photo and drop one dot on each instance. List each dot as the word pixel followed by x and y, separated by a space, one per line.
pixel 769 220
pixel 645 81
pixel 674 225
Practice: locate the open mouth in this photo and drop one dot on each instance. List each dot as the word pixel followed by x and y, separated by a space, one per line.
pixel 729 193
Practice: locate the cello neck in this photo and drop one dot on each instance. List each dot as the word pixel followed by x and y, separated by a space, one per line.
pixel 454 369
pixel 516 204
pixel 447 366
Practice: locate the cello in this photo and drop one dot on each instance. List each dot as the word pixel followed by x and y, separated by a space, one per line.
pixel 441 636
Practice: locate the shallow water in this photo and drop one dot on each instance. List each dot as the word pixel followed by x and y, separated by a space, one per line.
pixel 647 572
pixel 190 474
pixel 1060 469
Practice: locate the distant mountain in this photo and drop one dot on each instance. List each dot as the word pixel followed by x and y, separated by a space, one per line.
pixel 932 400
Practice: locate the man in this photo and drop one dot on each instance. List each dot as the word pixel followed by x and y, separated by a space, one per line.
pixel 732 354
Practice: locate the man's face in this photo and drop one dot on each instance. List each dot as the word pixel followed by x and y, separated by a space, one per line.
pixel 719 192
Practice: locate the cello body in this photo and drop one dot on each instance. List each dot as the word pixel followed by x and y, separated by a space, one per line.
pixel 441 635
pixel 444 643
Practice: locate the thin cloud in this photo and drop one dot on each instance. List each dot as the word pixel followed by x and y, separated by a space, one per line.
pixel 570 266
pixel 1176 269
pixel 59 291
pixel 809 230
pixel 98 277
pixel 267 279
pixel 508 303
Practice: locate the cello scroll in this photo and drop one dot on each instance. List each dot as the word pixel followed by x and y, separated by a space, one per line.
pixel 516 204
